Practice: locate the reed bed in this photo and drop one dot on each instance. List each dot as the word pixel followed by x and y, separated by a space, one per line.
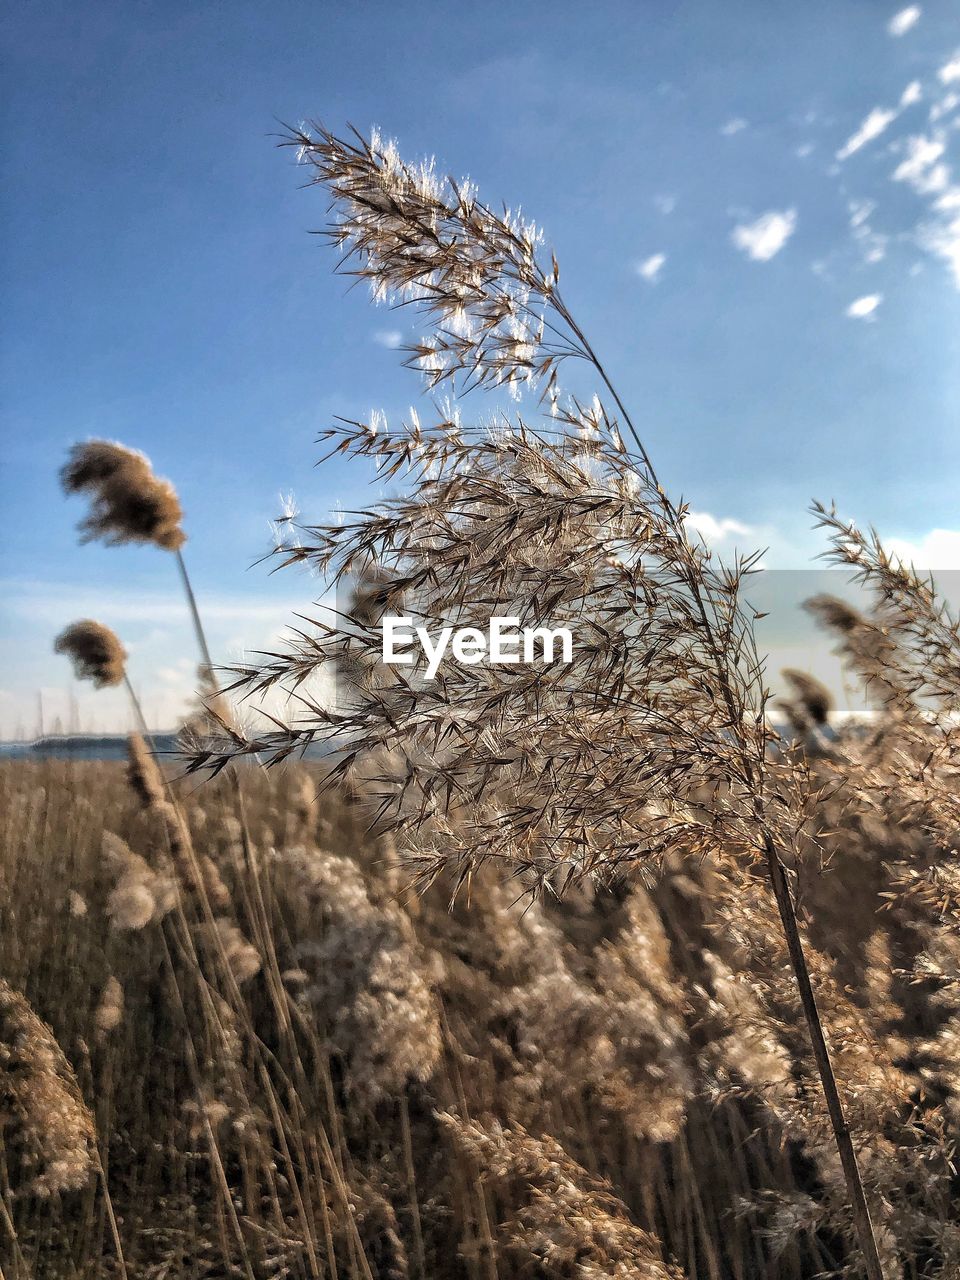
pixel 312 1072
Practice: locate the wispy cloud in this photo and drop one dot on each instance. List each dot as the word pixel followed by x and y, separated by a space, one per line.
pixel 904 20
pixel 949 73
pixel 938 549
pixel 922 169
pixel 872 244
pixel 948 103
pixel 763 239
pixel 911 94
pixel 389 338
pixel 860 211
pixel 712 529
pixel 736 125
pixel 865 308
pixel 941 236
pixel 651 267
pixel 925 169
pixel 665 203
pixel 879 119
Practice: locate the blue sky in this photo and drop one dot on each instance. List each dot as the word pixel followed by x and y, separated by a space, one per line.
pixel 755 207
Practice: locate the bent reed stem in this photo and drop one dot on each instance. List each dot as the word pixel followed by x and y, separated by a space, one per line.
pixel 828 1081
pixel 195 617
pixel 776 871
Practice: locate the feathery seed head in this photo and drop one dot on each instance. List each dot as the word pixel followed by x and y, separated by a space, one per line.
pixel 813 695
pixel 45 1126
pixel 95 651
pixel 128 502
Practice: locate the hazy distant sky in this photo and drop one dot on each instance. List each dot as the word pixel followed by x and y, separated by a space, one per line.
pixel 756 207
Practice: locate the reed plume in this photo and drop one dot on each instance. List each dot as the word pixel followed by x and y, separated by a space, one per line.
pixel 44 1122
pixel 561 1221
pixel 128 502
pixel 813 696
pixel 95 651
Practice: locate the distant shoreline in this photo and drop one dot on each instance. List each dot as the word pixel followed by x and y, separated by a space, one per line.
pixel 82 746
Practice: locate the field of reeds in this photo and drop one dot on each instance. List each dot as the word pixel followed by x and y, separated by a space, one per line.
pixel 286 1066
pixel 565 971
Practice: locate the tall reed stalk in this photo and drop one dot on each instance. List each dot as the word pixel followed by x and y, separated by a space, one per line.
pixel 558 776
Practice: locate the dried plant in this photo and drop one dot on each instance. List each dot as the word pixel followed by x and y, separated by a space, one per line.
pixel 655 734
pixel 812 694
pixel 95 651
pixel 140 894
pixel 364 978
pixel 44 1123
pixel 129 502
pixel 562 1221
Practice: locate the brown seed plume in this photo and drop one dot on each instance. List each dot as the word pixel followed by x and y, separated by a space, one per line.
pixel 128 502
pixel 143 772
pixel 94 650
pixel 813 696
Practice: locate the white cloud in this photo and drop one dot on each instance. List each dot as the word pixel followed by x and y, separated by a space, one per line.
pixel 651 267
pixel 763 239
pixel 929 175
pixel 911 94
pixel 665 203
pixel 389 338
pixel 872 244
pixel 736 125
pixel 864 308
pixel 943 240
pixel 920 169
pixel 902 22
pixel 950 71
pixel 860 211
pixel 874 124
pixel 938 549
pixel 949 102
pixel 713 530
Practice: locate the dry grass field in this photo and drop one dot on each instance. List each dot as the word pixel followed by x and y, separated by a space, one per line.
pixel 261 1057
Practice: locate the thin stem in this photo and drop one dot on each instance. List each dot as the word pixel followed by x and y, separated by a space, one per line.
pixel 137 709
pixel 828 1081
pixel 777 872
pixel 195 616
pixel 111 1216
pixel 412 1187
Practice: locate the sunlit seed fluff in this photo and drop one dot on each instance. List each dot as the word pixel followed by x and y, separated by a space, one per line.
pixel 131 905
pixel 562 1221
pixel 202 1113
pixel 139 894
pixel 369 986
pixel 109 1011
pixel 46 1130
pixel 242 958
